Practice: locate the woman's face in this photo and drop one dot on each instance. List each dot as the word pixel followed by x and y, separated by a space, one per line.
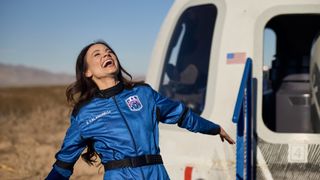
pixel 101 62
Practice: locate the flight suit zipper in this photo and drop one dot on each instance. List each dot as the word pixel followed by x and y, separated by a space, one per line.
pixel 130 132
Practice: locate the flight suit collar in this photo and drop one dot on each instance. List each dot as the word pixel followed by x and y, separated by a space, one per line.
pixel 107 93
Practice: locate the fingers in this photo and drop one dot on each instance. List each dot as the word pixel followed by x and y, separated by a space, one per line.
pixel 230 140
pixel 222 139
pixel 224 135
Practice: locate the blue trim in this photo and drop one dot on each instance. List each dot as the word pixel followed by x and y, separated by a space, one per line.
pixel 245 78
pixel 242 116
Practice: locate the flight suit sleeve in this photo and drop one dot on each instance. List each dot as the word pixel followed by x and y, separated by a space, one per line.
pixel 175 112
pixel 71 149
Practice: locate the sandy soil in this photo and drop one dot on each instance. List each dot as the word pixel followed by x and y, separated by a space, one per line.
pixel 33 122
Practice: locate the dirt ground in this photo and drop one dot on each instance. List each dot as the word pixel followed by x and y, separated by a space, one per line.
pixel 33 122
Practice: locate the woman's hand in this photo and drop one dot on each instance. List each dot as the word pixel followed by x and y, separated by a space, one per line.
pixel 225 136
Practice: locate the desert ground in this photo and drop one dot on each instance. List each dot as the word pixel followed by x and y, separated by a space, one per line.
pixel 33 122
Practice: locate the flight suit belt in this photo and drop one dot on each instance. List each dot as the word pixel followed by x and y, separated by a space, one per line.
pixel 133 162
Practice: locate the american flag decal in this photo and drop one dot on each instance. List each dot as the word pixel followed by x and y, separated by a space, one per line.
pixel 236 58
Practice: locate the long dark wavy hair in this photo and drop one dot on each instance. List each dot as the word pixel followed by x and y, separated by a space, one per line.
pixel 84 88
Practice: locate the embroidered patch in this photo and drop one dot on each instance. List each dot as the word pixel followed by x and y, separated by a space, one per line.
pixel 134 103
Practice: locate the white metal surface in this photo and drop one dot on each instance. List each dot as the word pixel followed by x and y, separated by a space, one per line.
pixel 239 28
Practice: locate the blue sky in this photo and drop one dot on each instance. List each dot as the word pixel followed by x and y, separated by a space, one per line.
pixel 50 34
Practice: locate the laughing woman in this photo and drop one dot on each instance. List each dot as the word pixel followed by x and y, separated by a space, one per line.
pixel 117 120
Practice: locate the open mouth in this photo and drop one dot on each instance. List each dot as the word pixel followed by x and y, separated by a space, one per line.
pixel 107 63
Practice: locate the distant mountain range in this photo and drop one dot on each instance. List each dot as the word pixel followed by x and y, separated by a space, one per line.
pixel 19 75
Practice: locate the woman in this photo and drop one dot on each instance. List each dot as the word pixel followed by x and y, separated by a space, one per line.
pixel 117 120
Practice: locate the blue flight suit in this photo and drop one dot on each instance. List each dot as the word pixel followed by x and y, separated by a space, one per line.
pixel 123 122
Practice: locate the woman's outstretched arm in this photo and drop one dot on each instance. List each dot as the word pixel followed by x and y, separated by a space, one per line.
pixel 175 112
pixel 72 147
